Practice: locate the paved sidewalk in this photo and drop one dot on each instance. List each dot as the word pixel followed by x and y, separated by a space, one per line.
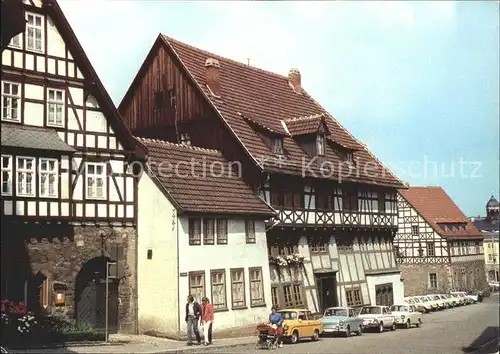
pixel 142 344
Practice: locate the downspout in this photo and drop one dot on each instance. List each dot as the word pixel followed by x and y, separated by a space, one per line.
pixel 178 280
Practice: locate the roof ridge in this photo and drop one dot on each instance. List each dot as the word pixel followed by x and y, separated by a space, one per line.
pixel 217 56
pixel 190 147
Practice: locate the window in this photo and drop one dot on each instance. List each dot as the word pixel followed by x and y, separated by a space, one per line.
pixel 278 145
pixel 319 248
pixel 320 144
pixel 48 177
pixel 353 297
pixel 293 295
pixel 197 285
pixel 350 199
pixel 218 282
pixel 433 280
pixel 431 249
pixel 195 231
pixel 6 175
pixel 25 176
pixel 96 180
pixel 222 232
pixel 381 202
pixel 275 296
pixel 16 41
pixel 34 32
pixel 490 257
pixel 256 287
pixel 349 157
pixel 250 231
pixel 414 230
pixel 208 232
pixel 11 101
pixel 55 105
pixel 238 288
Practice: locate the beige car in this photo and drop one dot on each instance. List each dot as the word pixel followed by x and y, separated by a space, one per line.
pixel 406 315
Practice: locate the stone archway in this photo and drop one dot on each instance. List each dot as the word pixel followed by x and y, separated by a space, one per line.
pixel 90 296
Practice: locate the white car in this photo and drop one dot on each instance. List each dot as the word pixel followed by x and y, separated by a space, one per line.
pixel 379 317
pixel 406 315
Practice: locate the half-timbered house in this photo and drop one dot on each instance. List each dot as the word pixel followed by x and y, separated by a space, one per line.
pixel 201 232
pixel 336 202
pixel 437 247
pixel 68 194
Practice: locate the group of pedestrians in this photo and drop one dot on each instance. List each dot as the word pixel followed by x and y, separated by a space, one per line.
pixel 196 314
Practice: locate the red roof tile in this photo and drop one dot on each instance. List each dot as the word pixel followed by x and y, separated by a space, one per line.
pixel 436 206
pixel 304 125
pixel 200 180
pixel 267 98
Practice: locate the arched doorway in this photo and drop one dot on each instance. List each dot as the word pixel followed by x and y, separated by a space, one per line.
pixel 90 296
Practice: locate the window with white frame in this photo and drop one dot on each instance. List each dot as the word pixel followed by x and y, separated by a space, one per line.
pixel 25 169
pixel 34 32
pixel 96 180
pixel 16 41
pixel 238 288
pixel 256 287
pixel 6 175
pixel 11 101
pixel 433 280
pixel 218 283
pixel 320 145
pixel 55 107
pixel 48 177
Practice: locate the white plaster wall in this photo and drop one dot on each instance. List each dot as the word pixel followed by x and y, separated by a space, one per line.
pixel 397 286
pixel 157 277
pixel 236 254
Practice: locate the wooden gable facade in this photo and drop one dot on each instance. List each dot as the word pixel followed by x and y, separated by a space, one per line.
pixel 67 174
pixel 293 154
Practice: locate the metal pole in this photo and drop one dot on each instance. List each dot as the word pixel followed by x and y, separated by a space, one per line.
pixel 107 300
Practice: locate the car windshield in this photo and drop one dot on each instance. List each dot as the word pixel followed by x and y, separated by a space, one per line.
pixel 336 312
pixel 411 301
pixel 436 297
pixel 425 298
pixel 449 296
pixel 289 315
pixel 400 308
pixel 371 310
pixel 417 300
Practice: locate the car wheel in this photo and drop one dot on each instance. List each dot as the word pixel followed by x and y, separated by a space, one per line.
pixel 315 336
pixel 295 337
pixel 408 324
pixel 393 327
pixel 348 332
pixel 381 327
pixel 360 330
pixel 419 323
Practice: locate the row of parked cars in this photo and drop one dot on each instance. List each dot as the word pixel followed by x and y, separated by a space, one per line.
pixel 436 302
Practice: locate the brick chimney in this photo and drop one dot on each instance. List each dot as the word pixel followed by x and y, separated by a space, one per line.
pixel 294 80
pixel 212 67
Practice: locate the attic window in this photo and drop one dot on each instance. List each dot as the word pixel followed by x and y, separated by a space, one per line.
pixel 159 99
pixel 349 157
pixel 278 145
pixel 320 145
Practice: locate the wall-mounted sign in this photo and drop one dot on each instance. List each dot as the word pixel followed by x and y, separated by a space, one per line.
pixel 183 274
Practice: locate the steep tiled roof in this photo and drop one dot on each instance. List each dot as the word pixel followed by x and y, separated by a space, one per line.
pixel 304 125
pixel 22 136
pixel 200 180
pixel 436 206
pixel 268 99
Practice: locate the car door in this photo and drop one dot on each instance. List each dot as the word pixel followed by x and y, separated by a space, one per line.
pixel 387 316
pixel 354 320
pixel 304 328
pixel 312 324
pixel 412 314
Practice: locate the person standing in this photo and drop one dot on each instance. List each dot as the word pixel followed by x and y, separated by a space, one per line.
pixel 193 313
pixel 207 319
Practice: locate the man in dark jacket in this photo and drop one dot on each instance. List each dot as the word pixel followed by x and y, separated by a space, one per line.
pixel 193 313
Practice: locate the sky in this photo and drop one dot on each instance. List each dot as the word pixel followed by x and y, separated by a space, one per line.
pixel 418 82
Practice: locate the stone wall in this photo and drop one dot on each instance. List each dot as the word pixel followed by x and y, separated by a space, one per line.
pixel 59 252
pixel 469 275
pixel 416 278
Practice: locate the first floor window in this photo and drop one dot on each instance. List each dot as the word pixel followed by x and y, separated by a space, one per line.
pixel 11 101
pixel 197 285
pixel 25 176
pixel 433 280
pixel 431 250
pixel 292 295
pixel 250 231
pixel 96 180
pixel 256 286
pixel 353 297
pixel 218 279
pixel 275 296
pixel 208 231
pixel 222 232
pixel 6 175
pixel 195 231
pixel 48 177
pixel 55 105
pixel 238 287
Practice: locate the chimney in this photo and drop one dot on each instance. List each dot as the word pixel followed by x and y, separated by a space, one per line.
pixel 213 75
pixel 294 80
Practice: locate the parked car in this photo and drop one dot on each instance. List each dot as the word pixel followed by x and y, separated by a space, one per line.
pixel 429 302
pixel 440 302
pixel 494 285
pixel 452 300
pixel 419 304
pixel 406 315
pixel 341 320
pixel 475 296
pixel 461 298
pixel 378 317
pixel 299 324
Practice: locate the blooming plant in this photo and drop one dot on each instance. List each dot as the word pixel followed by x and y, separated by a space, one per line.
pixel 26 323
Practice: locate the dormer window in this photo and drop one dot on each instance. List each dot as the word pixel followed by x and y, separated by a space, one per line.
pixel 278 145
pixel 320 145
pixel 349 157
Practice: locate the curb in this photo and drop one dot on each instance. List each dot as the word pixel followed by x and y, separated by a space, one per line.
pixel 201 348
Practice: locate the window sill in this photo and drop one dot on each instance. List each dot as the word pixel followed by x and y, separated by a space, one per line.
pixel 239 308
pixel 225 309
pixel 11 120
pixel 259 305
pixel 102 199
pixel 194 244
pixel 222 243
pixel 251 242
pixel 33 50
pixel 55 125
pixel 26 195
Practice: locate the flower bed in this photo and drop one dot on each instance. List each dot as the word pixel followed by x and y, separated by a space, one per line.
pixel 21 328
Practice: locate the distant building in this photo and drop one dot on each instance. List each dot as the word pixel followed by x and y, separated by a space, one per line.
pixel 489 226
pixel 438 248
